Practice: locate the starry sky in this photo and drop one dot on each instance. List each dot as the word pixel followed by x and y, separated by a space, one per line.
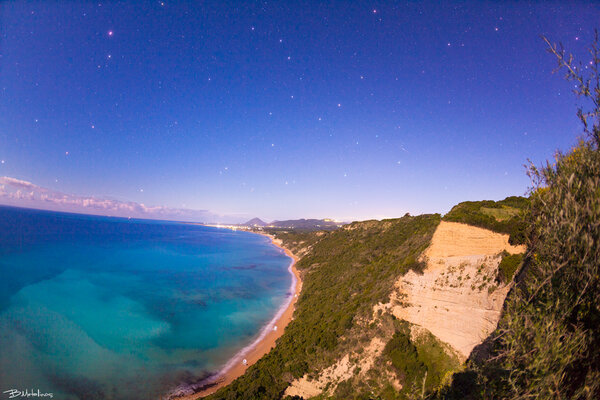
pixel 345 109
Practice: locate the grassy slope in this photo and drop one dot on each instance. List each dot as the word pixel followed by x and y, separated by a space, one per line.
pixel 505 216
pixel 345 273
pixel 422 362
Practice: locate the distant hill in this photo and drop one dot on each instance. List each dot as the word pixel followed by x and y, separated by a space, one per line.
pixel 307 224
pixel 255 222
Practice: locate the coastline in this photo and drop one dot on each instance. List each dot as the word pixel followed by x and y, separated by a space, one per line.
pixel 262 344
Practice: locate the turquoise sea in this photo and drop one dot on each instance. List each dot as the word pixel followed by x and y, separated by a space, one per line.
pixel 109 308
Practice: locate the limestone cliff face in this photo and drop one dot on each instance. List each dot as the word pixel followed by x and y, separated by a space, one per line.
pixel 343 369
pixel 456 298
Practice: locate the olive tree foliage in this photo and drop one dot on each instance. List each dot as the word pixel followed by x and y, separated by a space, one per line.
pixel 587 83
pixel 547 345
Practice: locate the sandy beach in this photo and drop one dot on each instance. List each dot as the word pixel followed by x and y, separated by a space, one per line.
pixel 259 349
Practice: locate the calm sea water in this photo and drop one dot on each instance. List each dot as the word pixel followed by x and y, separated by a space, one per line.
pixel 106 308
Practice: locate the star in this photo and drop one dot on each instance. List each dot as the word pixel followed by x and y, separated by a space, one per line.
pixel 2 162
pixel 110 33
pixel 66 153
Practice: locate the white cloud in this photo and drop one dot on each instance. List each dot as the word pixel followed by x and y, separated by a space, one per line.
pixel 20 193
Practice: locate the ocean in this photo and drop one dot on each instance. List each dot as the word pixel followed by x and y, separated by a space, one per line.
pixel 109 308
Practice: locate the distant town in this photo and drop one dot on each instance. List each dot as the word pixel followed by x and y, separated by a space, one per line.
pixel 256 224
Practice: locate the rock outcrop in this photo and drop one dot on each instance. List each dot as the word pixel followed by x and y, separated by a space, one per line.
pixel 456 298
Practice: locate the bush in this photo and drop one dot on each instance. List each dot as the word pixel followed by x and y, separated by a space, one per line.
pixel 508 266
pixel 549 338
pixel 505 216
pixel 420 363
pixel 405 359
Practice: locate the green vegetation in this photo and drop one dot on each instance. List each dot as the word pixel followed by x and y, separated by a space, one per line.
pixel 296 240
pixel 547 345
pixel 508 266
pixel 421 364
pixel 306 224
pixel 505 216
pixel 405 359
pixel 345 273
pixel 501 214
pixel 438 357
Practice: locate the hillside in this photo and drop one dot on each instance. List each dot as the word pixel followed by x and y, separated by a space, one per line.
pixel 307 224
pixel 457 298
pixel 345 273
pixel 505 216
pixel 378 309
pixel 255 222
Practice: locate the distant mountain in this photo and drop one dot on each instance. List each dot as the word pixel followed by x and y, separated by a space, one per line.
pixel 255 222
pixel 307 224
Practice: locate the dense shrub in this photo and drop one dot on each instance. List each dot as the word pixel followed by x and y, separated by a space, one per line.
pixel 405 360
pixel 505 216
pixel 508 266
pixel 421 362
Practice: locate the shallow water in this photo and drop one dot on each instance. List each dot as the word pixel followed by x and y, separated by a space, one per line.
pixel 107 308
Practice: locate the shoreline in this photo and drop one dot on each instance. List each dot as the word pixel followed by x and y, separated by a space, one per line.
pixel 265 341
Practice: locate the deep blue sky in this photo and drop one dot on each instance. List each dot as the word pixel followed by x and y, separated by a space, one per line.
pixel 348 110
